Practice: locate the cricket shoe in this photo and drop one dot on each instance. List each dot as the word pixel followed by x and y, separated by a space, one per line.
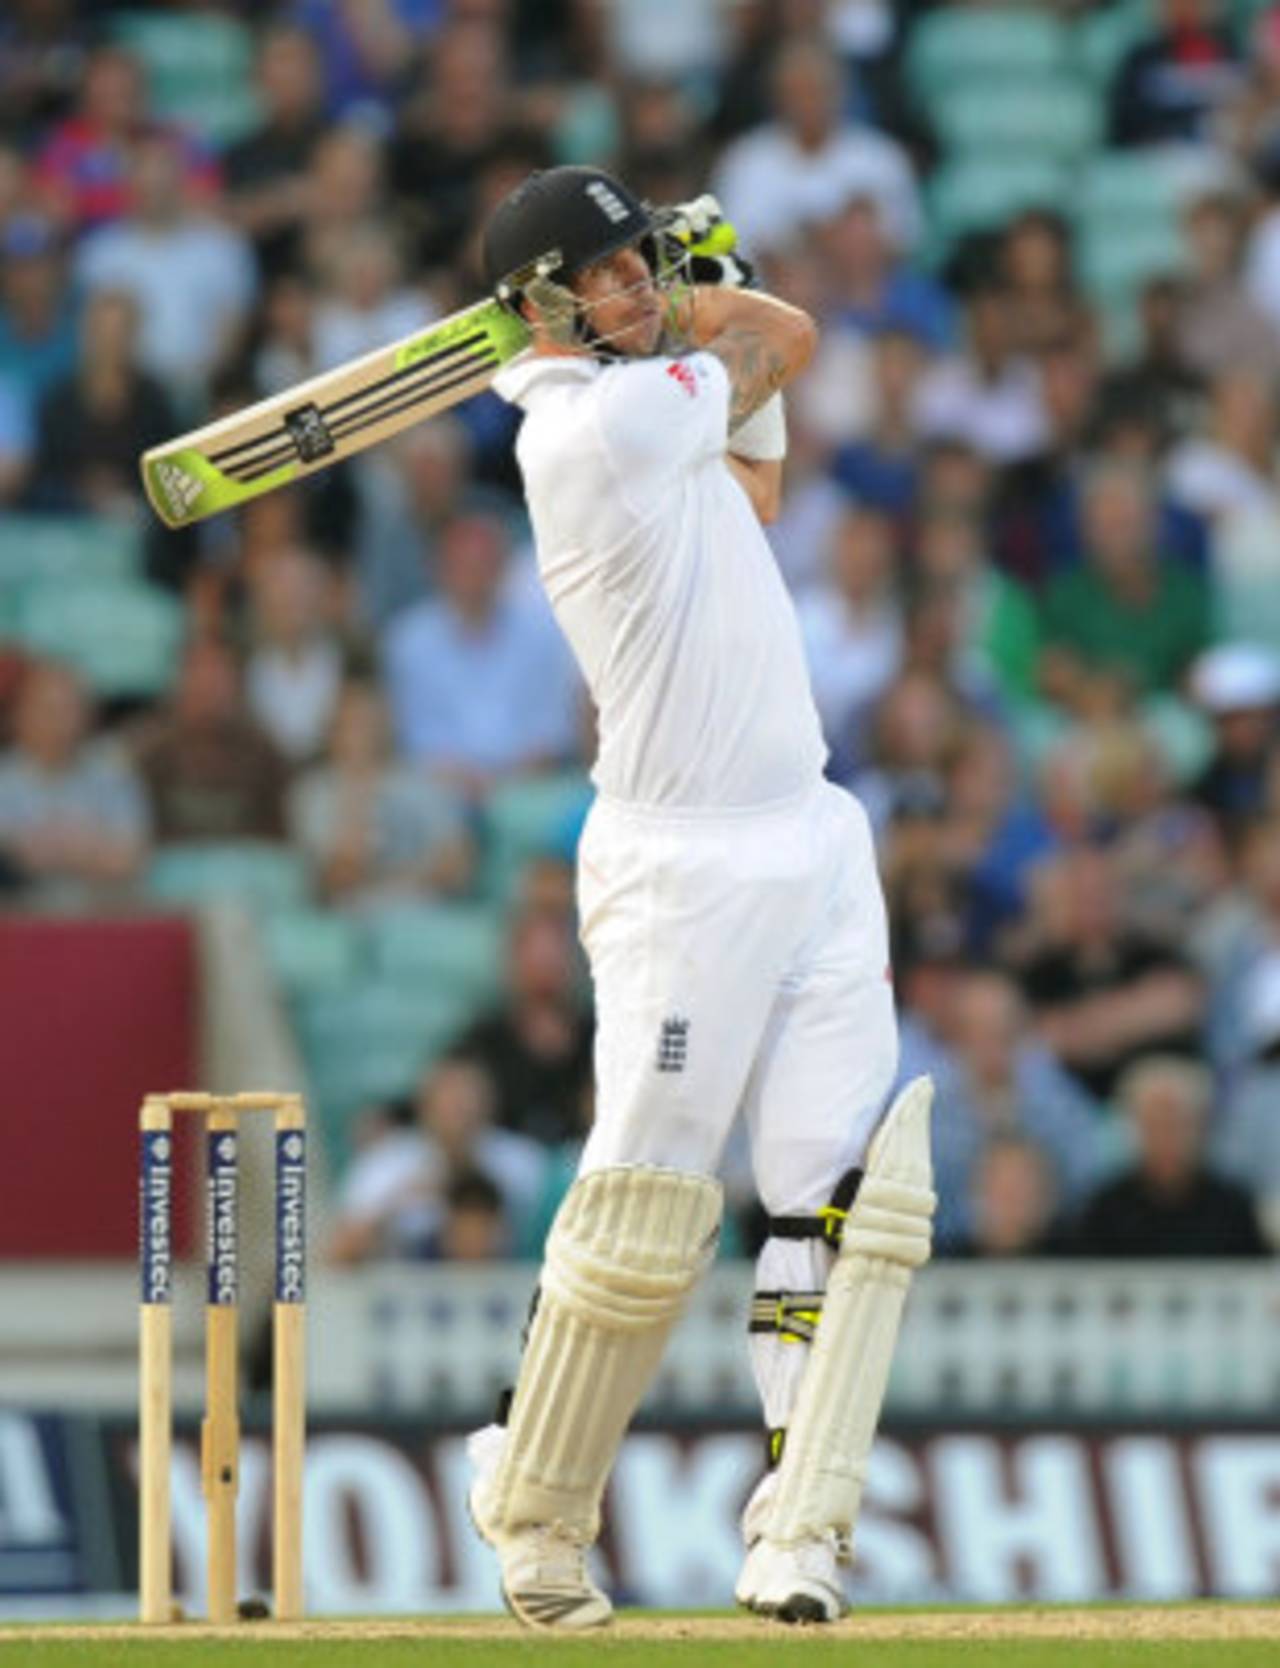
pixel 544 1576
pixel 799 1583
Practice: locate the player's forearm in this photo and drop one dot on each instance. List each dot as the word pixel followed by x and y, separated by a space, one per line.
pixel 761 480
pixel 763 343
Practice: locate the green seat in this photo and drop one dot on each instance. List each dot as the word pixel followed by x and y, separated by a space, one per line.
pixel 1123 186
pixel 981 194
pixel 312 950
pixel 966 44
pixel 441 947
pixel 1103 38
pixel 1116 264
pixel 67 549
pixel 123 637
pixel 199 70
pixel 263 877
pixel 1055 117
pixel 528 818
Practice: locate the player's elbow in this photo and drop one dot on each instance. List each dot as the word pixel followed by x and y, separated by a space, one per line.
pixel 802 341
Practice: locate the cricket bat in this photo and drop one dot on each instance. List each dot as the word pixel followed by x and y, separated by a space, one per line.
pixel 330 416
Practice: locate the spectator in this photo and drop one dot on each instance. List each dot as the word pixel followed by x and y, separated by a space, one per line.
pixel 989 396
pixel 1103 993
pixel 1230 470
pixel 1156 387
pixel 472 1228
pixel 209 771
pixel 345 193
pixel 367 50
pixel 1034 264
pixel 1245 1138
pixel 85 172
pixel 789 171
pixel 852 625
pixel 1124 617
pixel 73 822
pixel 294 668
pixel 376 831
pixel 479 679
pixel 536 1044
pixel 1171 83
pixel 393 1200
pixel 1238 686
pixel 192 276
pixel 1220 327
pixel 17 441
pixel 1013 1204
pixel 96 423
pixel 1004 1083
pixel 1171 1203
pixel 870 288
pixel 881 469
pixel 916 728
pixel 37 317
pixel 41 65
pixel 267 170
pixel 368 304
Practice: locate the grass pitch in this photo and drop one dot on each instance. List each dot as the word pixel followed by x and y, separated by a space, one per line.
pixel 1105 1636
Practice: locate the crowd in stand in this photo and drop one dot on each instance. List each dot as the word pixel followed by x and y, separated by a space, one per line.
pixel 1033 539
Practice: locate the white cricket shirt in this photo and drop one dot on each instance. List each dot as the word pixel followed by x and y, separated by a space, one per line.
pixel 661 578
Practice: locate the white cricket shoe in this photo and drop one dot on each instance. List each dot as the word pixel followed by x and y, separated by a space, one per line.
pixel 545 1583
pixel 798 1583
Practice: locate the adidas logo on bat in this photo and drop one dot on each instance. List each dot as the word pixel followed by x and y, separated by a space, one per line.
pixel 180 489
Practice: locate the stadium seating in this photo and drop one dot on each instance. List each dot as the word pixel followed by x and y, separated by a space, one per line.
pixel 199 69
pixel 263 877
pixel 122 636
pixel 972 45
pixel 440 948
pixel 531 817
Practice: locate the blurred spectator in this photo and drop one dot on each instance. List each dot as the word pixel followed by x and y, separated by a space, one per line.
pixel 294 668
pixel 41 64
pixel 1156 386
pixel 1230 470
pixel 192 276
pixel 96 423
pixel 376 831
pixel 345 193
pixel 882 467
pixel 17 441
pixel 536 1044
pixel 989 396
pixel 410 489
pixel 367 47
pixel 85 171
pixel 791 170
pixel 1246 1134
pixel 1000 1081
pixel 267 170
pixel 368 305
pixel 1249 121
pixel 1238 686
pixel 1125 617
pixel 1102 992
pixel 869 287
pixel 37 318
pixel 1013 1203
pixel 852 624
pixel 1171 1203
pixel 1170 84
pixel 1001 631
pixel 472 1227
pixel 209 771
pixel 915 731
pixel 462 119
pixel 1220 327
pixel 393 1201
pixel 1034 264
pixel 479 678
pixel 73 822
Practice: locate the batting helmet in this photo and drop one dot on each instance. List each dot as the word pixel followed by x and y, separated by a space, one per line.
pixel 555 223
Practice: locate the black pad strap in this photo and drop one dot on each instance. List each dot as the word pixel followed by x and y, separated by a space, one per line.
pixel 826 1224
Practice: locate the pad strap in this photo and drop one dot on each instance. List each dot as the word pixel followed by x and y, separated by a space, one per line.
pixel 825 1224
pixel 793 1316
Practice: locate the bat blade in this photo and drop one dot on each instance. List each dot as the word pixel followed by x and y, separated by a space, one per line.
pixel 330 416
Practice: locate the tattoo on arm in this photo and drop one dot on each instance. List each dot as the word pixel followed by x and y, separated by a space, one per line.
pixel 757 369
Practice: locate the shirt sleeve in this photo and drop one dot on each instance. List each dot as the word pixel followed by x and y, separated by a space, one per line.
pixel 660 416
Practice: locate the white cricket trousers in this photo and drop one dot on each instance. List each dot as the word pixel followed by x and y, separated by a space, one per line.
pixel 741 964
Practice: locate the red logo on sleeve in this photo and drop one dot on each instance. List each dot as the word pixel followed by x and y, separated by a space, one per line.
pixel 679 372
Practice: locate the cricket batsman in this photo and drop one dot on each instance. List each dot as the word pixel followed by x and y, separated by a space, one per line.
pixel 729 902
